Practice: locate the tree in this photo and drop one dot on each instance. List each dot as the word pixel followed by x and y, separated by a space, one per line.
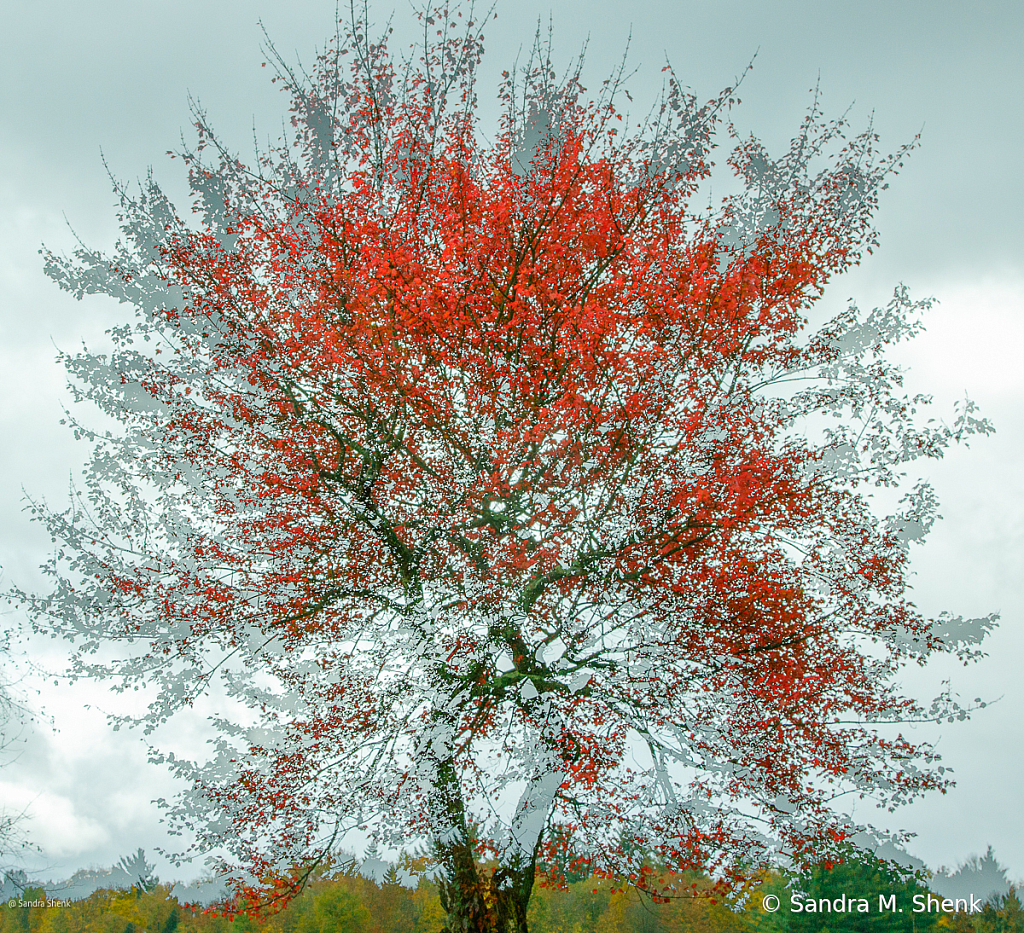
pixel 982 877
pixel 335 911
pixel 861 877
pixel 1002 913
pixel 501 491
pixel 134 871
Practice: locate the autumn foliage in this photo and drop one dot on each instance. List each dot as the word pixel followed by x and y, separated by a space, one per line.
pixel 339 900
pixel 500 490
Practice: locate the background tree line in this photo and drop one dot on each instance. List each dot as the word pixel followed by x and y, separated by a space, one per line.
pixel 341 900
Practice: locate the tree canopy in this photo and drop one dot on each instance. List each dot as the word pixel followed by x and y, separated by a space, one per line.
pixel 499 487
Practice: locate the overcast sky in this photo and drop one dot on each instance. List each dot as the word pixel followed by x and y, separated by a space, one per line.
pixel 77 78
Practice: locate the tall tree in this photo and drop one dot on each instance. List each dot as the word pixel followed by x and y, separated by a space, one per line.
pixel 498 486
pixel 844 897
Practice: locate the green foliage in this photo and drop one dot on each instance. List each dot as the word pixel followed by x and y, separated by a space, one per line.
pixel 772 884
pixel 1002 914
pixel 349 903
pixel 573 909
pixel 839 893
pixel 333 909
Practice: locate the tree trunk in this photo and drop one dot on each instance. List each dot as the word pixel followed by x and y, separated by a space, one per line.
pixel 464 891
pixel 475 901
pixel 477 904
pixel 511 890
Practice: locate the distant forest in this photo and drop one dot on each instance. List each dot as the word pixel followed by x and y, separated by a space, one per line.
pixel 861 894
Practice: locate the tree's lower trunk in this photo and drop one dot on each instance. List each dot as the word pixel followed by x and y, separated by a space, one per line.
pixel 475 899
pixel 463 892
pixel 468 895
pixel 478 903
pixel 511 891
